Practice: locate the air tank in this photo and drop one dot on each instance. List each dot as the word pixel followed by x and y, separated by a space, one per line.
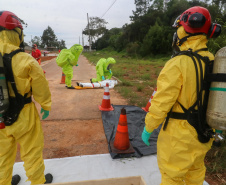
pixel 216 110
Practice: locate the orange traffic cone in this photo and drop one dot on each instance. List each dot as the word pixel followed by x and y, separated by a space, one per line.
pixel 121 143
pixel 106 103
pixel 62 79
pixel 149 102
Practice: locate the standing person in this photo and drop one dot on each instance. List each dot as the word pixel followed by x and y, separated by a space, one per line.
pixel 27 80
pixel 103 69
pixel 182 142
pixel 36 53
pixel 68 58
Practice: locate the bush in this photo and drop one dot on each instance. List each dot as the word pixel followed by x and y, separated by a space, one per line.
pixel 132 49
pixel 156 41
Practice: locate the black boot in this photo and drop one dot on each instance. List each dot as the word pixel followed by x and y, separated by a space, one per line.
pixel 15 180
pixel 72 87
pixel 49 178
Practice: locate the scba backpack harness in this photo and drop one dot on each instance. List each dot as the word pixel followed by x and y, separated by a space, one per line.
pixel 16 103
pixel 197 117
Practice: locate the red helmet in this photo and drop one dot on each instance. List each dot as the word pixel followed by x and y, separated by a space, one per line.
pixel 9 20
pixel 197 20
pixel 194 20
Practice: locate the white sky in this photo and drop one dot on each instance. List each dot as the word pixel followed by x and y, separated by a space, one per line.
pixel 67 18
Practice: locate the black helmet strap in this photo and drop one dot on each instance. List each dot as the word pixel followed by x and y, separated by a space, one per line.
pixel 181 41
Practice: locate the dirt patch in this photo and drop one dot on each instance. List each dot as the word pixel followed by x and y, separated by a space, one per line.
pixel 215 179
pixel 72 138
pixel 47 58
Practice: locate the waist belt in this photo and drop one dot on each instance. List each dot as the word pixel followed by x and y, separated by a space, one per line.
pixel 192 118
pixel 15 107
pixel 177 115
pixel 27 100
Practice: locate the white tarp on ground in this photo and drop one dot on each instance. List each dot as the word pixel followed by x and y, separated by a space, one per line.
pixel 101 166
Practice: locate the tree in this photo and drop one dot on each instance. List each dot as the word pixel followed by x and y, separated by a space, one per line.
pixel 158 4
pixel 157 41
pixel 36 40
pixel 174 9
pixel 108 39
pixel 96 27
pixel 151 29
pixel 61 45
pixel 142 7
pixel 49 38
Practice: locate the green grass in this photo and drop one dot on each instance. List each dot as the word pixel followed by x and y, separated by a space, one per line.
pixel 126 83
pixel 215 159
pixel 145 76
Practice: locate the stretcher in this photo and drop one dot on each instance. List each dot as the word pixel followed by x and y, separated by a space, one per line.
pixel 100 84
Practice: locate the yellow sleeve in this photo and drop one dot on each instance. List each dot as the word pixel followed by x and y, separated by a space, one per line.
pixel 40 86
pixel 169 85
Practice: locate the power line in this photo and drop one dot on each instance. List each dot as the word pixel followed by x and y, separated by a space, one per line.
pixel 109 8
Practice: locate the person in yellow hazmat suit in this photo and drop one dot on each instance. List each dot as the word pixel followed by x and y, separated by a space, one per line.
pixel 181 148
pixel 68 58
pixel 103 69
pixel 27 129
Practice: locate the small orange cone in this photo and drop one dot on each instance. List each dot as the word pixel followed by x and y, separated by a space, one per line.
pixel 62 79
pixel 121 143
pixel 106 103
pixel 149 102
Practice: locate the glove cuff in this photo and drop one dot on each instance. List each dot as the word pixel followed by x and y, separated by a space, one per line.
pixel 218 131
pixel 146 132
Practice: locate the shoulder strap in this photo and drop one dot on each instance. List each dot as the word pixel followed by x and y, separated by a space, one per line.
pixel 16 103
pixel 7 59
pixel 199 87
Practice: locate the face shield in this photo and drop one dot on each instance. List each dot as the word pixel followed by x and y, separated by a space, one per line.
pixel 175 47
pixel 109 66
pixel 76 49
pixel 176 22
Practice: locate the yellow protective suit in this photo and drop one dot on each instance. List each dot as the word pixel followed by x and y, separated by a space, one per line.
pixel 27 130
pixel 180 154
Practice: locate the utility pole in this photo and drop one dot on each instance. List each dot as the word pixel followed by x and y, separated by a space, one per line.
pixel 82 39
pixel 79 40
pixel 89 33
